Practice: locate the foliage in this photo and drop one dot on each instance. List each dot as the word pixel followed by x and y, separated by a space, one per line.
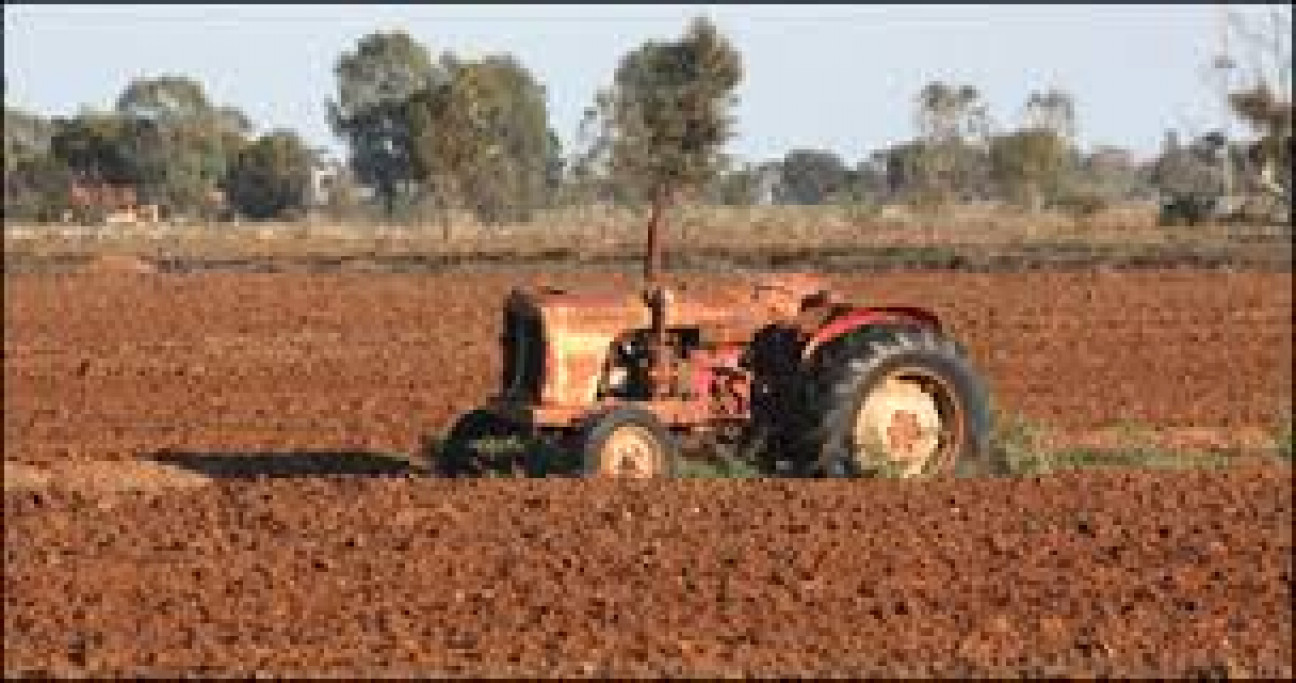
pixel 949 161
pixel 737 187
pixel 1020 444
pixel 96 147
pixel 1188 170
pixel 374 83
pixel 35 181
pixel 1263 99
pixel 271 177
pixel 178 144
pixel 1029 166
pixel 1112 175
pixel 1270 117
pixel 452 134
pixel 951 112
pixel 482 138
pixel 666 116
pixel 1033 165
pixel 719 468
pixel 811 176
pixel 1052 111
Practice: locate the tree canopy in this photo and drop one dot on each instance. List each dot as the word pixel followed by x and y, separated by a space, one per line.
pixel 667 115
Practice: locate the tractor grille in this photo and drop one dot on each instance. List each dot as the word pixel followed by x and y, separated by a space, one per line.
pixel 524 353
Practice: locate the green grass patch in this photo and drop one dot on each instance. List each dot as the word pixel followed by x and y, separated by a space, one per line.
pixel 726 468
pixel 1018 444
pixel 1137 457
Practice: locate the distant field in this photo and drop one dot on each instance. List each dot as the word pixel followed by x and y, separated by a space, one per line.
pixel 835 239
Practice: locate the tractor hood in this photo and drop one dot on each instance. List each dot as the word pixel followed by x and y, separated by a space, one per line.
pixel 618 309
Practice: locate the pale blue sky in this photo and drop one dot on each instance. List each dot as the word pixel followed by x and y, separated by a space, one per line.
pixel 841 77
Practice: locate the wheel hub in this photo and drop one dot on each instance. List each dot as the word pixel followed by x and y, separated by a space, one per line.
pixel 898 426
pixel 630 452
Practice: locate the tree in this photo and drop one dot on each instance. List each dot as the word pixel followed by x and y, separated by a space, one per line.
pixel 374 84
pixel 1052 111
pixel 948 113
pixel 1028 166
pixel 483 139
pixel 35 181
pixel 903 167
pixel 96 148
pixel 1035 165
pixel 1187 171
pixel 1263 100
pixel 165 98
pixel 180 143
pixel 666 118
pixel 271 177
pixel 868 181
pixel 1113 174
pixel 953 125
pixel 811 176
pixel 736 186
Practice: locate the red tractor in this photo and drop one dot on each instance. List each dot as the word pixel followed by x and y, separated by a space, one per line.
pixel 618 381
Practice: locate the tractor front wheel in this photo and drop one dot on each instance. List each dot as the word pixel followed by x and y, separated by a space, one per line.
pixel 482 443
pixel 629 443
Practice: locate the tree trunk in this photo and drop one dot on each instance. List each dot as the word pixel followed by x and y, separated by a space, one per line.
pixel 660 368
pixel 653 258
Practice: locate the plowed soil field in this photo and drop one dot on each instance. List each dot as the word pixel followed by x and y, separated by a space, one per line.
pixel 1100 573
pixel 115 366
pixel 148 382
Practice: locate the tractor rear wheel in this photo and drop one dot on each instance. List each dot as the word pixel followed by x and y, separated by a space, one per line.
pixel 630 443
pixel 900 402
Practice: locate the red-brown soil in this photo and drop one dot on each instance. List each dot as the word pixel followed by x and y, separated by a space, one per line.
pixel 1118 573
pixel 1096 573
pixel 113 366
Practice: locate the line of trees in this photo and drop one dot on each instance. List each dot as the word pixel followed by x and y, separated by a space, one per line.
pixel 165 141
pixel 428 136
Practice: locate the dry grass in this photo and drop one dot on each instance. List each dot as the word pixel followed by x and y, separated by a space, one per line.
pixel 598 231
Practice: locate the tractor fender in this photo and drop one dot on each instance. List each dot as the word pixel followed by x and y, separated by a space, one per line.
pixel 865 317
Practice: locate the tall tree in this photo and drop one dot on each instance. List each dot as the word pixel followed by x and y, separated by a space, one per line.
pixel 1263 99
pixel 1037 164
pixel 181 144
pixel 951 113
pixel 1053 111
pixel 953 125
pixel 374 84
pixel 667 116
pixel 483 139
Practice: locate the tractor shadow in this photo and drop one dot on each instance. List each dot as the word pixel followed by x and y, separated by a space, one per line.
pixel 510 457
pixel 290 464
